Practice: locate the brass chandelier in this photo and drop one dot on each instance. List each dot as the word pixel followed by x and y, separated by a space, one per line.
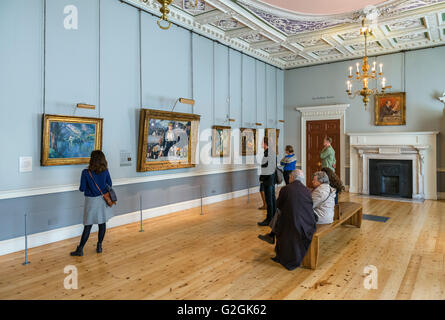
pixel 367 74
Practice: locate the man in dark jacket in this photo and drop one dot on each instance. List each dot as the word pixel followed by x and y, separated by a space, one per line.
pixel 295 225
pixel 267 178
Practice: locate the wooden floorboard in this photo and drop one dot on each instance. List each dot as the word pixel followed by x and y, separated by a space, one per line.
pixel 218 256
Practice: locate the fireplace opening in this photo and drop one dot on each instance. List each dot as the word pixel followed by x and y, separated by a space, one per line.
pixel 391 178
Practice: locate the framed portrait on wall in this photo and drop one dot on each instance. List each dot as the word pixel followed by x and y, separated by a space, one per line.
pixel 390 109
pixel 167 140
pixel 273 136
pixel 248 141
pixel 68 140
pixel 221 141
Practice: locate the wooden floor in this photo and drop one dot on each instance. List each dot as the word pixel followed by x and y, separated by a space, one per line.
pixel 218 256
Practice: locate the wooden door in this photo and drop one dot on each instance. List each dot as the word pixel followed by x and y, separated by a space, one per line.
pixel 315 133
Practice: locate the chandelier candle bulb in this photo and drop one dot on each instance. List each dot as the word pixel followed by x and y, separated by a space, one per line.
pixel 358 70
pixel 350 71
pixel 381 68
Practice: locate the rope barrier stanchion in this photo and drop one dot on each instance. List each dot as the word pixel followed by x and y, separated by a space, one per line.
pixel 140 209
pixel 248 191
pixel 200 190
pixel 26 242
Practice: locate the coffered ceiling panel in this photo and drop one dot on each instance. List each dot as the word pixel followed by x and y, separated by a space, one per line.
pixel 289 39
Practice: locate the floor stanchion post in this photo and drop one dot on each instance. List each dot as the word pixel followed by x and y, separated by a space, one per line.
pixel 140 209
pixel 248 191
pixel 200 190
pixel 26 242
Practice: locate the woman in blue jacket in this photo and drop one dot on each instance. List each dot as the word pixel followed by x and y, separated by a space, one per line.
pixel 289 162
pixel 94 181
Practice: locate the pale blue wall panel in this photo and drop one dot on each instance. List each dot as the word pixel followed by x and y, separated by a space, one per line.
pixel 280 110
pixel 221 84
pixel 20 89
pixel 271 99
pixel 166 65
pixel 261 93
pixel 249 84
pixel 72 58
pixel 120 83
pixel 235 88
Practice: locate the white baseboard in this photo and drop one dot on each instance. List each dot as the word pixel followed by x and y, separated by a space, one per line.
pixel 46 237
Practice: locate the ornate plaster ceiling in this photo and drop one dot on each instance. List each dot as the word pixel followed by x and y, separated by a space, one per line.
pixel 320 7
pixel 288 39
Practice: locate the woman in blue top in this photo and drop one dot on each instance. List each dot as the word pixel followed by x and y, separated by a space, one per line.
pixel 96 210
pixel 289 162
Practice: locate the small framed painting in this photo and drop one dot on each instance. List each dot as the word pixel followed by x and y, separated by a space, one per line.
pixel 273 136
pixel 248 141
pixel 390 109
pixel 220 141
pixel 167 140
pixel 69 140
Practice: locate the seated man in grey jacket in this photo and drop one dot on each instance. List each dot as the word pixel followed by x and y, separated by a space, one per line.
pixel 323 198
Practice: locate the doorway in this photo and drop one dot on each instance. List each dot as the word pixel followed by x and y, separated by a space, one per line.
pixel 316 131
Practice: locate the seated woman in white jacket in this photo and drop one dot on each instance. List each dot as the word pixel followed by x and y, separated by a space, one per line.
pixel 323 198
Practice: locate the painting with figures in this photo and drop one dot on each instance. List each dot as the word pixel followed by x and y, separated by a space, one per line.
pixel 69 140
pixel 248 141
pixel 390 109
pixel 167 140
pixel 220 141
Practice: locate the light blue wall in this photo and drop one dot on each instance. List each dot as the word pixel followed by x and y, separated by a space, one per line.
pixel 118 60
pixel 421 73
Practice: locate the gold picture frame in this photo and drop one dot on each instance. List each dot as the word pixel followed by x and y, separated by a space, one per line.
pixel 247 144
pixel 390 109
pixel 166 130
pixel 221 141
pixel 69 140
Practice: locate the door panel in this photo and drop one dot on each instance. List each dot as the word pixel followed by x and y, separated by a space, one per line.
pixel 315 133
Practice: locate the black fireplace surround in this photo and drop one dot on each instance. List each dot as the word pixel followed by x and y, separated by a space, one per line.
pixel 391 178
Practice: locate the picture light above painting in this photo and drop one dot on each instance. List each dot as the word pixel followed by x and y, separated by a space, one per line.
pixel 68 140
pixel 167 140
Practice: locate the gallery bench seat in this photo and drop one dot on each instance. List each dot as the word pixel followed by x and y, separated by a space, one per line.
pixel 346 213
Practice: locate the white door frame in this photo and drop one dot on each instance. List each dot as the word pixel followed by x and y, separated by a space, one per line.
pixel 323 112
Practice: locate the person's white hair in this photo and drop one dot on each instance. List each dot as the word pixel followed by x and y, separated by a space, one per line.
pixel 298 174
pixel 322 177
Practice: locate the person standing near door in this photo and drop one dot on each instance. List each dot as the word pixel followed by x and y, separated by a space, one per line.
pixel 327 155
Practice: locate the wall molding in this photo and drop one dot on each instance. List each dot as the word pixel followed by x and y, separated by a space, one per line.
pixel 27 192
pixel 46 237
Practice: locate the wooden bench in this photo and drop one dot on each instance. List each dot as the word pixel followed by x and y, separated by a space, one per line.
pixel 346 213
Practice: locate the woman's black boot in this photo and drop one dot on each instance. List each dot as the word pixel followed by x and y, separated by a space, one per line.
pixel 99 247
pixel 78 252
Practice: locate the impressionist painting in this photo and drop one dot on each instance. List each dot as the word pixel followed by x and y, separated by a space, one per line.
pixel 69 140
pixel 390 109
pixel 248 141
pixel 167 140
pixel 220 141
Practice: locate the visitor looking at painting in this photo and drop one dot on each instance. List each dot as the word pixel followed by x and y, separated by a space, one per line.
pixel 93 180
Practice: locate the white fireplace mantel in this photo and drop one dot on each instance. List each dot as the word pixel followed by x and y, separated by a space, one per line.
pixel 419 147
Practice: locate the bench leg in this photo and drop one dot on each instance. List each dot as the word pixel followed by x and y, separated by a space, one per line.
pixel 311 258
pixel 355 220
